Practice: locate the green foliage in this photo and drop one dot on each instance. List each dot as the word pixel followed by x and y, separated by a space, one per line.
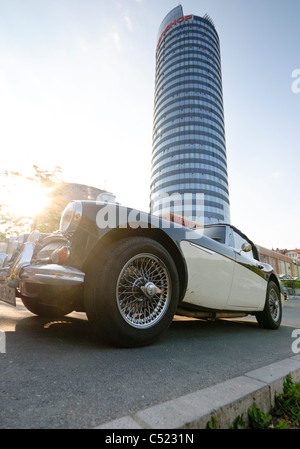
pixel 239 423
pixel 286 414
pixel 212 424
pixel 288 403
pixel 291 284
pixel 282 425
pixel 259 419
pixel 287 409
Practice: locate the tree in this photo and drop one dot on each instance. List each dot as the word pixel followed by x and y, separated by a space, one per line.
pixel 45 220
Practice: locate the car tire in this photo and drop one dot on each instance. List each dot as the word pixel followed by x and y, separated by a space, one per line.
pixel 271 316
pixel 131 294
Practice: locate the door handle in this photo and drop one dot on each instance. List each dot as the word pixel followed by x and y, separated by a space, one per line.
pixel 265 268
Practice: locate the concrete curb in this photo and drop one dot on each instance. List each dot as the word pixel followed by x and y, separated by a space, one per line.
pixel 224 401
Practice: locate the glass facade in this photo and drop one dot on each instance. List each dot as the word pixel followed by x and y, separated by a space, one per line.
pixel 189 148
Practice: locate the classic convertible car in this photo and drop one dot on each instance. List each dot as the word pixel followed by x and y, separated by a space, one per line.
pixel 131 272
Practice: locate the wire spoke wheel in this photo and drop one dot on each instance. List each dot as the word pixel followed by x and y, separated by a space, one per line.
pixel 143 291
pixel 274 305
pixel 271 316
pixel 132 292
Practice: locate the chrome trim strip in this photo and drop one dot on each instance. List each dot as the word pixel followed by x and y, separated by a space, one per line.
pixel 23 259
pixel 51 274
pixel 203 249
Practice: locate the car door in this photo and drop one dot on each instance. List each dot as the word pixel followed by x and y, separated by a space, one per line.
pixel 210 268
pixel 249 285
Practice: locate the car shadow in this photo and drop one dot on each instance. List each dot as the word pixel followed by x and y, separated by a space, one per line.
pixel 67 330
pixel 74 331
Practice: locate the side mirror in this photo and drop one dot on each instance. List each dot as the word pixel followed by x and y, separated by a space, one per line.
pixel 246 248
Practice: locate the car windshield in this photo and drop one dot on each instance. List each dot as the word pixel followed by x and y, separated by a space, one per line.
pixel 215 232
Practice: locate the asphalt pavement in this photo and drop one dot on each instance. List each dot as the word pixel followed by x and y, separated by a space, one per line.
pixel 224 401
pixel 53 374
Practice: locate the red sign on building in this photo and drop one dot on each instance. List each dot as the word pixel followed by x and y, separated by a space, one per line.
pixel 180 20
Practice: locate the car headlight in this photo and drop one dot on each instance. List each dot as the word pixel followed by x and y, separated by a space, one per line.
pixel 71 217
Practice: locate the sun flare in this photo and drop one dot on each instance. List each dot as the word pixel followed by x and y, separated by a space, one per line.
pixel 25 199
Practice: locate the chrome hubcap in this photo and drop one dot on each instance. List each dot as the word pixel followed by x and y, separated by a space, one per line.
pixel 150 290
pixel 143 291
pixel 274 305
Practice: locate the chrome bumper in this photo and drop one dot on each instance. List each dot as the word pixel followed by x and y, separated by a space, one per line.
pixel 51 274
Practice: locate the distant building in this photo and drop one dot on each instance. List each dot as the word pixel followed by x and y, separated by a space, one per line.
pixel 292 253
pixel 282 263
pixel 73 191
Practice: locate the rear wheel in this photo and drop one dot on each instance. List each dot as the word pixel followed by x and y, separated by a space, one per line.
pixel 271 316
pixel 131 294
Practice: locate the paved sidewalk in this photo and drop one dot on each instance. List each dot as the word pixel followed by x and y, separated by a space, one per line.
pixel 224 401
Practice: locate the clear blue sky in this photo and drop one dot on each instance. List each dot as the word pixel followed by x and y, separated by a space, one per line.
pixel 76 90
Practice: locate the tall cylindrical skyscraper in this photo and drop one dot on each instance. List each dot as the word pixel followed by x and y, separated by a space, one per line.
pixel 189 149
